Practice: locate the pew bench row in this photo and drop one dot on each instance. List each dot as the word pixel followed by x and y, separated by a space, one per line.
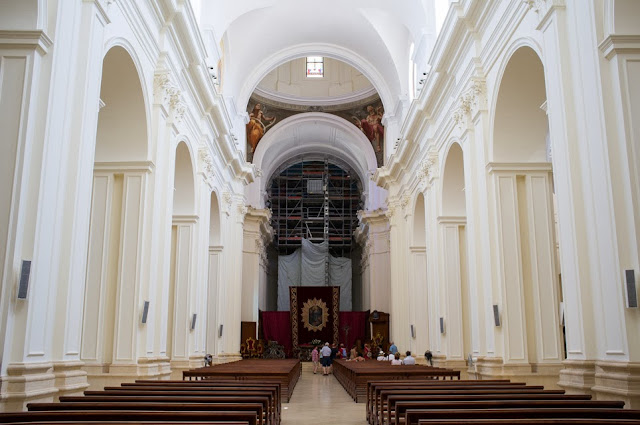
pixel 146 402
pixel 465 402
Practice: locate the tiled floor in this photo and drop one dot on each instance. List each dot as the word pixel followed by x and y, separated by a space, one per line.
pixel 321 399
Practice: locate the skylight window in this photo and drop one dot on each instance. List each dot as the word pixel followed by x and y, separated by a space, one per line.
pixel 315 67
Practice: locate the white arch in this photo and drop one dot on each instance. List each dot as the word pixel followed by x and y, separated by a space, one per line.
pixel 315 133
pixel 504 62
pixel 135 58
pixel 318 49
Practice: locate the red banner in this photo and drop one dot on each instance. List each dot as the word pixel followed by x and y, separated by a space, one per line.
pixel 314 314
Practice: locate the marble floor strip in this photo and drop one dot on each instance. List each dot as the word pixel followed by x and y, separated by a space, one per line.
pixel 321 399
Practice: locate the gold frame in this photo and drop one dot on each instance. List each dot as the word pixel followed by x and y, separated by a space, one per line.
pixel 305 314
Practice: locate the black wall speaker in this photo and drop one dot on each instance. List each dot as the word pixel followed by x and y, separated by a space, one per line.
pixel 496 315
pixel 442 325
pixel 145 312
pixel 632 295
pixel 25 273
pixel 193 321
pixel 413 331
pixel 220 331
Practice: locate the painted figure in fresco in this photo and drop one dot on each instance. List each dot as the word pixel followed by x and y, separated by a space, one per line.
pixel 372 126
pixel 257 127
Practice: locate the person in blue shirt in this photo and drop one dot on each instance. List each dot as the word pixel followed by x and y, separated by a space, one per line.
pixel 393 349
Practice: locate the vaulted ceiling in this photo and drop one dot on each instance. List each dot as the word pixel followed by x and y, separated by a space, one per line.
pixel 374 36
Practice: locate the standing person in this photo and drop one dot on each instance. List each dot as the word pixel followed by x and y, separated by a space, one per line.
pixel 393 349
pixel 354 352
pixel 326 358
pixel 315 356
pixel 334 354
pixel 409 360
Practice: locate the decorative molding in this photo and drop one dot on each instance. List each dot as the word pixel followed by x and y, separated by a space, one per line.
pixel 167 93
pixel 428 169
pixel 227 200
pixel 470 101
pixel 206 165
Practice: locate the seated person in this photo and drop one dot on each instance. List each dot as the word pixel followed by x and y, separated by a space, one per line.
pixel 396 362
pixel 382 357
pixel 392 357
pixel 409 359
pixel 359 357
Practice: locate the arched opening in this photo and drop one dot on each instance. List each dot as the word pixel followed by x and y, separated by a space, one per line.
pixel 117 217
pixel 521 126
pixel 452 223
pixel 182 261
pixel 453 198
pixel 315 202
pixel 213 273
pixel 522 177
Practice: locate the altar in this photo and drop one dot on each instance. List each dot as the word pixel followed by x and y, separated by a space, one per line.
pixel 304 352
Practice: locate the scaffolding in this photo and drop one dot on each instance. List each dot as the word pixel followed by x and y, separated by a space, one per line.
pixel 315 200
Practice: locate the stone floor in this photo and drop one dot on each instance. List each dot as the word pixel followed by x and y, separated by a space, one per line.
pixel 321 399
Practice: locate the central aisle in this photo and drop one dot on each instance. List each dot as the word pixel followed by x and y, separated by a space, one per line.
pixel 321 399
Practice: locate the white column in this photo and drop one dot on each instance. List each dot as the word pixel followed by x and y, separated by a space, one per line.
pixel 183 276
pixel 257 234
pixel 453 269
pixel 419 299
pixel 213 300
pixel 231 283
pixel 374 234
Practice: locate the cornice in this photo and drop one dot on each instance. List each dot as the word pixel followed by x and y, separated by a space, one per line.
pixel 299 103
pixel 185 219
pixel 452 219
pixel 511 167
pixel 620 44
pixel 125 166
pixel 19 39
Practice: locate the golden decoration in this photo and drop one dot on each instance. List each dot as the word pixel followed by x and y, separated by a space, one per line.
pixel 315 314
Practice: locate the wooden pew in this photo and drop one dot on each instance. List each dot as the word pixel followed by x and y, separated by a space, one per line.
pixel 375 388
pixel 81 417
pixel 273 387
pixel 190 391
pixel 556 421
pixel 401 407
pixel 354 376
pixel 174 398
pixel 459 416
pixel 107 422
pixel 285 371
pixel 256 408
pixel 388 400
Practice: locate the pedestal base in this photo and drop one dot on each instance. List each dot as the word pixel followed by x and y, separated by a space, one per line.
pixel 39 382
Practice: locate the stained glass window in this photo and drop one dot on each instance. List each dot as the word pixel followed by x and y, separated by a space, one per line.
pixel 315 66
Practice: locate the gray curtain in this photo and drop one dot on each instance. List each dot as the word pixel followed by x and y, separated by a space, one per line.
pixel 306 267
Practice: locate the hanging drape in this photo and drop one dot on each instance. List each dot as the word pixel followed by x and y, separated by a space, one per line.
pixel 306 267
pixel 356 321
pixel 276 326
pixel 288 275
